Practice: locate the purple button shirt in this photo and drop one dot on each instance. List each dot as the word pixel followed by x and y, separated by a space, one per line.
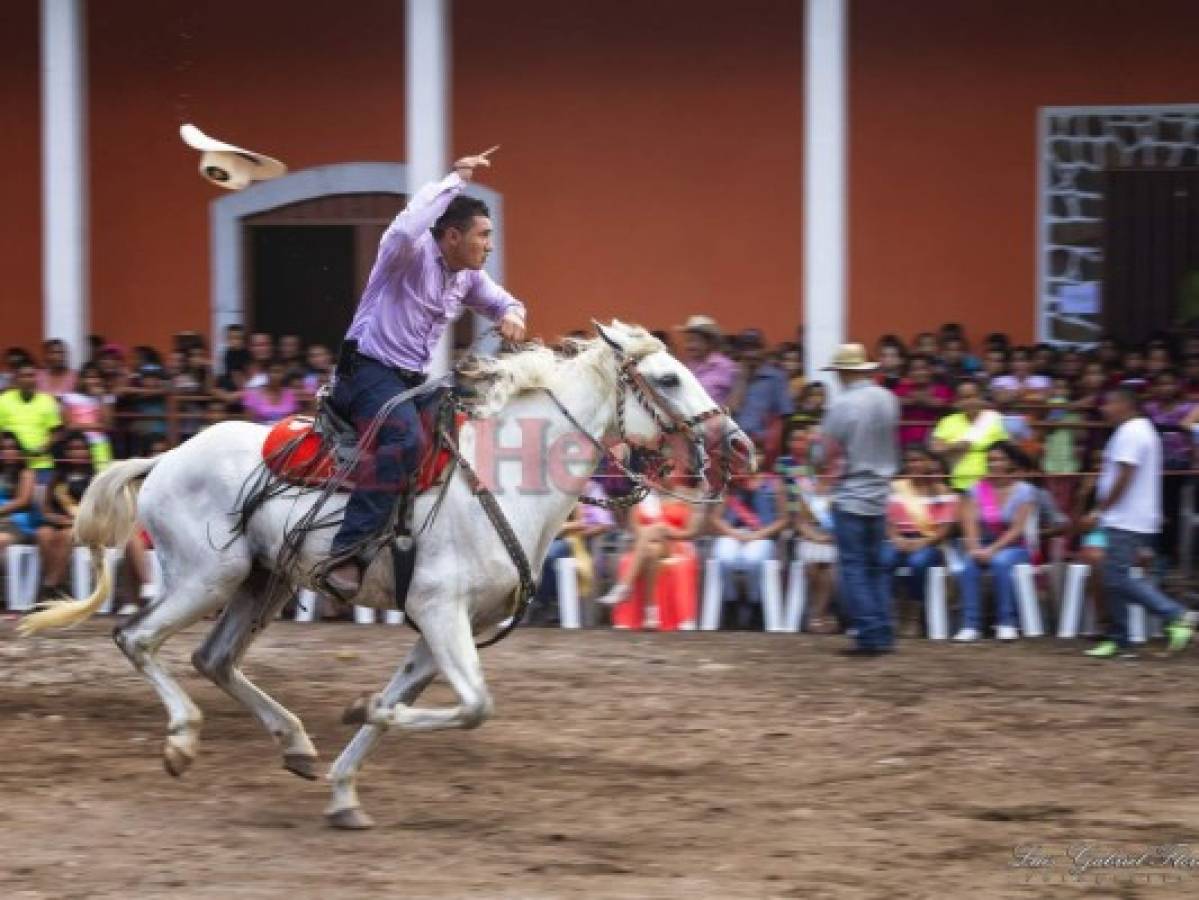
pixel 411 296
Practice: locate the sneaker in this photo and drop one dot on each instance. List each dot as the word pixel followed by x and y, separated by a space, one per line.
pixel 127 609
pixel 966 635
pixel 1007 632
pixel 1109 650
pixel 618 594
pixel 1179 634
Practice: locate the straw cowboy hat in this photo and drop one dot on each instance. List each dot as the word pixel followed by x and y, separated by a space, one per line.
pixel 851 358
pixel 228 166
pixel 703 324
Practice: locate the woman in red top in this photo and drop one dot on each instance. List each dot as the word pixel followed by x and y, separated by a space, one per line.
pixel 659 578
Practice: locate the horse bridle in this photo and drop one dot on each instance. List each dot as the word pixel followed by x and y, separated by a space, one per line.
pixel 668 421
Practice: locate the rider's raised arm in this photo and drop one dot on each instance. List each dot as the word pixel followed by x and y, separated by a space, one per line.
pixel 423 210
pixel 489 299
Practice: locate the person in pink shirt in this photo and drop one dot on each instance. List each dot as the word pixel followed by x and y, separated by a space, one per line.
pixel 716 372
pixel 274 400
pixel 923 402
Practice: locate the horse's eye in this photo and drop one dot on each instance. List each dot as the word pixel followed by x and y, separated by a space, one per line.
pixel 669 380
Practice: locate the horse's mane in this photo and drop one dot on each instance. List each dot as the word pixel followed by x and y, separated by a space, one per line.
pixel 496 381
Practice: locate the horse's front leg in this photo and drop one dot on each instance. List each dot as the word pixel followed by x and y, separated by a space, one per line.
pixel 452 643
pixel 418 669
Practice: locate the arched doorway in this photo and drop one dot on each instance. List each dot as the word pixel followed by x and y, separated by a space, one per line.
pixel 307 263
pixel 298 249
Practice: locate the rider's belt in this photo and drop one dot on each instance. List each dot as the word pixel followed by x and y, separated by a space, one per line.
pixel 409 377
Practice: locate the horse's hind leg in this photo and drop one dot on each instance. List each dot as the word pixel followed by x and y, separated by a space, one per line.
pixel 246 615
pixel 185 602
pixel 405 686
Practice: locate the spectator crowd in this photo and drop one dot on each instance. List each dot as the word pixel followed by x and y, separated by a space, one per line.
pixel 999 444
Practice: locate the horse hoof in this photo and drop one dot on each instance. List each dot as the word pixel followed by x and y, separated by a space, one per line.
pixel 175 758
pixel 300 764
pixel 352 819
pixel 356 712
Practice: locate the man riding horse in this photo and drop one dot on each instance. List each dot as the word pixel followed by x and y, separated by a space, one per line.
pixel 429 266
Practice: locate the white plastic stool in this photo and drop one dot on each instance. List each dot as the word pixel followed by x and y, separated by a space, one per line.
pixel 565 571
pixel 1140 624
pixel 366 615
pixel 936 610
pixel 23 569
pixel 81 573
pixel 307 603
pixel 1137 624
pixel 1027 602
pixel 772 589
pixel 709 617
pixel 713 597
pixel 797 596
pixel 1074 596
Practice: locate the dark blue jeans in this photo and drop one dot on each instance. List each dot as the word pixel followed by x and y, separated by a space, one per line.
pixel 384 472
pixel 544 610
pixel 1120 589
pixel 865 581
pixel 919 562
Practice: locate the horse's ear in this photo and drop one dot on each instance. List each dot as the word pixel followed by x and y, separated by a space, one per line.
pixel 608 337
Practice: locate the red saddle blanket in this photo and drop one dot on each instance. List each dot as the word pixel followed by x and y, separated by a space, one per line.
pixel 296 454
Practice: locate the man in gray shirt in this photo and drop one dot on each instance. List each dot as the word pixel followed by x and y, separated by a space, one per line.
pixel 862 427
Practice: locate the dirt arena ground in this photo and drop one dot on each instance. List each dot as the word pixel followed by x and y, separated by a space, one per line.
pixel 618 765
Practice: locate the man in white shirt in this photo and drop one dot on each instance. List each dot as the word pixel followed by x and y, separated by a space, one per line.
pixel 1129 510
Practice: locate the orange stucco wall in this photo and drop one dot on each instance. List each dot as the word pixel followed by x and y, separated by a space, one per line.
pixel 639 180
pixel 944 99
pixel 651 161
pixel 20 176
pixel 652 151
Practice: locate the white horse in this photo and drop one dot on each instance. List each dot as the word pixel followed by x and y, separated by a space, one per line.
pixel 624 385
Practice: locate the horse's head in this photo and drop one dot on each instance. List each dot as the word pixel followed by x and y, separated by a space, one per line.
pixel 660 403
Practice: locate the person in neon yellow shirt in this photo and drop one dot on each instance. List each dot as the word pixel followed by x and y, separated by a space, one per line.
pixel 30 415
pixel 965 436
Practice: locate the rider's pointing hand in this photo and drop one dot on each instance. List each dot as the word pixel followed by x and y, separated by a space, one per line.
pixel 466 166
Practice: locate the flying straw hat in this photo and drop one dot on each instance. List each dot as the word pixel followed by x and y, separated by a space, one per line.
pixel 227 166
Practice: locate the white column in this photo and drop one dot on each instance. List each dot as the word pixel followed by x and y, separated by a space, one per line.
pixel 427 110
pixel 825 188
pixel 64 176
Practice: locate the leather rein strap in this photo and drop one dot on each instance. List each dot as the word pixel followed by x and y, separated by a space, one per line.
pixel 491 506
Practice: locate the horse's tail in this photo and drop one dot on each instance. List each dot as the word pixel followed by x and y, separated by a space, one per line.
pixel 107 516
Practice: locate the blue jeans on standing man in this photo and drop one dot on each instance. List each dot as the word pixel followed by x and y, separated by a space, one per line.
pixel 865 580
pixel 970 580
pixel 1120 588
pixel 397 453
